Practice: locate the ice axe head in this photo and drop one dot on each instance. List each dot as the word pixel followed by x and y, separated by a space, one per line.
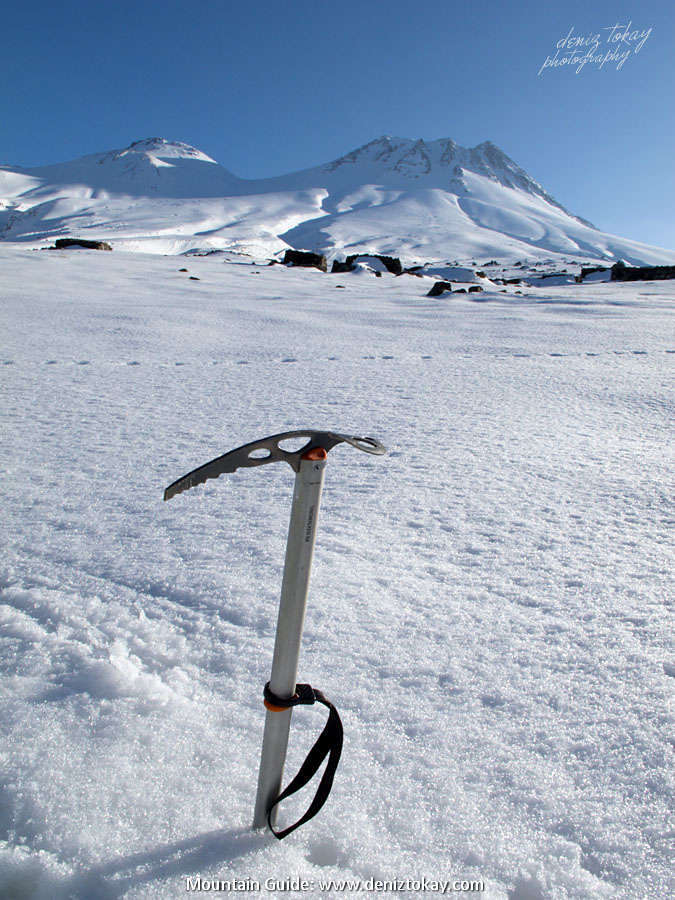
pixel 267 450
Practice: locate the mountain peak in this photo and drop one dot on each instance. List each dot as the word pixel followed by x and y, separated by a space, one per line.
pixel 161 148
pixel 438 163
pixel 150 167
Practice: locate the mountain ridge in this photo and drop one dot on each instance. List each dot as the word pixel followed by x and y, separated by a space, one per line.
pixel 407 197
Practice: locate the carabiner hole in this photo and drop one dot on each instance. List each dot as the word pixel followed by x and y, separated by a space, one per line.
pixel 260 453
pixel 292 445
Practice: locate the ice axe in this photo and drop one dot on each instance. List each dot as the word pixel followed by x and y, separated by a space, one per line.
pixel 281 691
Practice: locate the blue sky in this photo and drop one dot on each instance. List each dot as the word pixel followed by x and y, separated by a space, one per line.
pixel 267 88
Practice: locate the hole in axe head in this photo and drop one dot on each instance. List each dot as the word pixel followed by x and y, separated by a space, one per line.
pixel 292 445
pixel 260 453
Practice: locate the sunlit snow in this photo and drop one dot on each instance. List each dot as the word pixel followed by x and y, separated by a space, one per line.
pixel 488 607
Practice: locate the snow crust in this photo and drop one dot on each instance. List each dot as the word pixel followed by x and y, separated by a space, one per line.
pixel 488 607
pixel 421 201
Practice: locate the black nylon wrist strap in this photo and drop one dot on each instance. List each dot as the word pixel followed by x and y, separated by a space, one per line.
pixel 328 744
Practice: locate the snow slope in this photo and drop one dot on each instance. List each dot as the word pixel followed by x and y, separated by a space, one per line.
pixel 488 607
pixel 422 201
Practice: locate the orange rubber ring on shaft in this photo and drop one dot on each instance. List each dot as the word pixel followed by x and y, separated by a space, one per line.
pixel 315 453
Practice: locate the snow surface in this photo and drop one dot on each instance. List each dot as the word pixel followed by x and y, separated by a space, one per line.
pixel 421 201
pixel 489 601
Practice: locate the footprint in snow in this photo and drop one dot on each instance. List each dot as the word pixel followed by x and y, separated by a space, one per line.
pixel 289 359
pixel 492 701
pixel 326 852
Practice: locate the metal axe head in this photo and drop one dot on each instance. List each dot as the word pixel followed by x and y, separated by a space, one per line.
pixel 253 454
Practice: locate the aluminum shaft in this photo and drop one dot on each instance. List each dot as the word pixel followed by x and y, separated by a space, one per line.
pixel 294 589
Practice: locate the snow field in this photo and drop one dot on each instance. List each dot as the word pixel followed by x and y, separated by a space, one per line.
pixel 488 602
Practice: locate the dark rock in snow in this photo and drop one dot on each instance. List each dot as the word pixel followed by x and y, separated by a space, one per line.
pixel 391 263
pixel 439 288
pixel 305 258
pixel 460 291
pixel 588 270
pixel 622 272
pixel 341 266
pixel 63 243
pixel 475 289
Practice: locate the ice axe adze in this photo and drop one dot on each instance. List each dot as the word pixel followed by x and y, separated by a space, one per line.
pixel 281 691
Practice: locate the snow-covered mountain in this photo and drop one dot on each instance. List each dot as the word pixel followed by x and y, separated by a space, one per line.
pixel 419 200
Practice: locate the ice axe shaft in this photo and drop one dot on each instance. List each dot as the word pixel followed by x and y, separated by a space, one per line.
pixel 294 589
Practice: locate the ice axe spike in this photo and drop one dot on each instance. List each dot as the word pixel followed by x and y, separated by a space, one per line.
pixel 281 691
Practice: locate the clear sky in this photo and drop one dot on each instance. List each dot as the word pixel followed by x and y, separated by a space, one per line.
pixel 270 87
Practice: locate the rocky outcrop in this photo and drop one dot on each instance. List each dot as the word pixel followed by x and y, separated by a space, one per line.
pixel 339 266
pixel 64 243
pixel 305 258
pixel 391 263
pixel 588 270
pixel 622 272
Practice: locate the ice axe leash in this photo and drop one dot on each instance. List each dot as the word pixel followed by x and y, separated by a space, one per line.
pixel 281 692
